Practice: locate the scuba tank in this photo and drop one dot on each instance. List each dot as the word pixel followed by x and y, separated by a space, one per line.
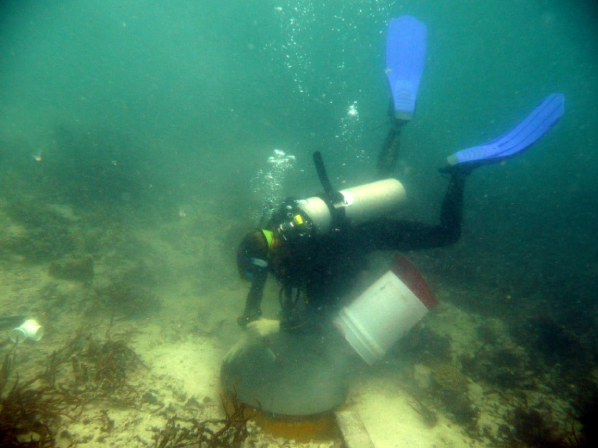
pixel 356 205
pixel 332 210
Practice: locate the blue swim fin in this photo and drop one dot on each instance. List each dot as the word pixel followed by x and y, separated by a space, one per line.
pixel 405 55
pixel 534 126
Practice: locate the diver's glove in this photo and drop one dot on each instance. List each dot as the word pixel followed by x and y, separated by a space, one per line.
pixel 248 317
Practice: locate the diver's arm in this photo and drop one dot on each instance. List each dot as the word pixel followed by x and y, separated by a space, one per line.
pixel 254 298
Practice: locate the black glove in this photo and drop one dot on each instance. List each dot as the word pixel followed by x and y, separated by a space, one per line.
pixel 249 316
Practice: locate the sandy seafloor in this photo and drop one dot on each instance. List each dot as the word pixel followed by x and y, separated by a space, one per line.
pixel 182 343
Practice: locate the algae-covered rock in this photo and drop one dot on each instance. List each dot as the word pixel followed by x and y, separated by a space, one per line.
pixel 449 379
pixel 44 233
pixel 505 366
pixel 452 388
pixel 80 269
pixel 128 291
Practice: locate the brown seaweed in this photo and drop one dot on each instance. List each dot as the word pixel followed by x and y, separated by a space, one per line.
pixel 28 414
pixel 228 432
pixel 31 410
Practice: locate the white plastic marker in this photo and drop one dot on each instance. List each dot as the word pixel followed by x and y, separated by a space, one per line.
pixel 30 329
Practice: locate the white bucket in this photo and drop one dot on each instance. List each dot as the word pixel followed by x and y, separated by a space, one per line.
pixel 386 311
pixel 30 329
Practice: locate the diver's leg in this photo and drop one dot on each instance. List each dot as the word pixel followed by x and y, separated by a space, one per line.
pixel 451 213
pixel 389 155
pixel 390 234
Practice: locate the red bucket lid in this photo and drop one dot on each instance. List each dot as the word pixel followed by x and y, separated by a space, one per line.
pixel 410 275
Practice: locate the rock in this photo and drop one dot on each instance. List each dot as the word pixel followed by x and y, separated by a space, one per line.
pixel 453 389
pixel 450 379
pixel 422 376
pixel 79 269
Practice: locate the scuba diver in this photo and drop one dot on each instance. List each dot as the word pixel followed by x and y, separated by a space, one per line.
pixel 316 247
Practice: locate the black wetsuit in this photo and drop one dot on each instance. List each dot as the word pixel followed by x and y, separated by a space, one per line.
pixel 319 274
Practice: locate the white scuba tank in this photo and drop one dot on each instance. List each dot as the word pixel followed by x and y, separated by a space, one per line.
pixel 362 203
